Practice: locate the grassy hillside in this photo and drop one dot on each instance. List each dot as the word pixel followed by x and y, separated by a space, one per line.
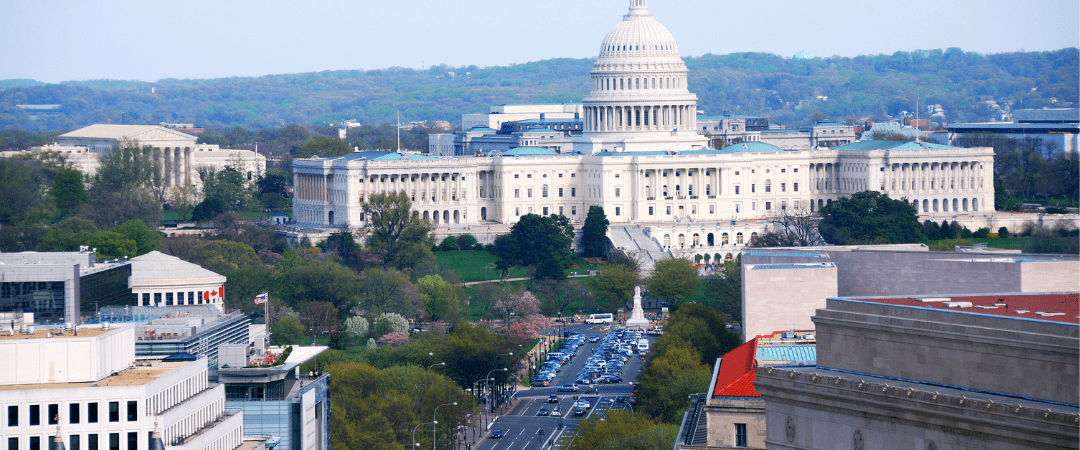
pixel 789 91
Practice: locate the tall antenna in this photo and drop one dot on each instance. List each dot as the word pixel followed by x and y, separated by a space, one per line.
pixel 399 131
pixel 917 133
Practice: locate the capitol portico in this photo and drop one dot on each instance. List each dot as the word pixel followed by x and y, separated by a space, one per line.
pixel 642 158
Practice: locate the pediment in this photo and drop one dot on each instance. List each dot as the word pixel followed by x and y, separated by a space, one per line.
pixel 158 133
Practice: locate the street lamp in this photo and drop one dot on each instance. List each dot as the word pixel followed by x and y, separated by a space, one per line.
pixel 492 388
pixel 433 365
pixel 417 444
pixel 435 427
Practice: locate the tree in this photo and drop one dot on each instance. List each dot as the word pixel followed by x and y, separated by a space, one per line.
pixel 357 326
pixel 594 233
pixel 791 228
pixel 522 304
pixel 391 323
pixel 450 243
pixel 673 279
pixel 613 286
pixel 228 185
pixel 22 192
pixel 440 299
pixel 344 245
pixel 621 430
pixel 396 235
pixel 68 191
pixel 467 241
pixel 126 187
pixel 870 217
pixel 320 281
pixel 322 146
pixel 321 318
pixel 673 372
pixel 287 330
pixel 557 295
pixel 146 240
pixel 542 242
pixel 724 286
pixel 387 290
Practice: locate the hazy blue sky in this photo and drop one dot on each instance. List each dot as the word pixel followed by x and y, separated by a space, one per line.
pixel 59 40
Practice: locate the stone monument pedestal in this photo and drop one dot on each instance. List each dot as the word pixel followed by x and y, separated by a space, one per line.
pixel 637 316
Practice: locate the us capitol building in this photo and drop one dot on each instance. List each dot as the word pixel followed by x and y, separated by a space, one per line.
pixel 642 156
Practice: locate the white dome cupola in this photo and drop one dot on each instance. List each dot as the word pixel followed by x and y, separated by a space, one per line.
pixel 639 82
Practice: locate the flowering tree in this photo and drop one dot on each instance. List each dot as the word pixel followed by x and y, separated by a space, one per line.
pixel 391 323
pixel 523 331
pixel 523 304
pixel 394 339
pixel 357 325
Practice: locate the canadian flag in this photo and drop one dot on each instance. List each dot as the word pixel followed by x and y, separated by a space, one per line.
pixel 214 294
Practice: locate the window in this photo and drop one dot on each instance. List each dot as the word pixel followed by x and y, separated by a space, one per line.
pixel 168 298
pixel 783 170
pixel 75 442
pixel 738 206
pixel 13 444
pixel 114 441
pixel 54 414
pixel 618 211
pixel 35 414
pixel 528 176
pixel 517 193
pixel 35 443
pixel 114 411
pixel 560 192
pixel 573 192
pixel 740 435
pixel 768 186
pixel 650 210
pixel 91 412
pixel 545 191
pixel 133 440
pixel 545 210
pixel 573 210
pixel 13 415
pixel 768 206
pixel 669 210
pixel 517 176
pixel 517 211
pixel 712 209
pixel 617 190
pixel 528 192
pixel 736 172
pixel 783 187
pixel 91 442
pixel 753 188
pixel 795 187
pixel 560 210
pixel 560 175
pixel 736 190
pixel 132 411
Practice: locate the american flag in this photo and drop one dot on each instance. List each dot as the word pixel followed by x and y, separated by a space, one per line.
pixel 261 298
pixel 675 132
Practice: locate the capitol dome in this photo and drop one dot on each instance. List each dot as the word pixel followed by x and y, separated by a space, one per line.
pixel 639 97
pixel 639 35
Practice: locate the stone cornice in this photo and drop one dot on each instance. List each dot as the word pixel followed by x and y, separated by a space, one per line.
pixel 951 412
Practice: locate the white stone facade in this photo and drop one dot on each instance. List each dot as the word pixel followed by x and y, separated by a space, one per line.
pixel 158 279
pixel 114 408
pixel 642 158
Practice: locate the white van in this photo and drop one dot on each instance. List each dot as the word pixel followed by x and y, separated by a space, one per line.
pixel 642 346
pixel 600 318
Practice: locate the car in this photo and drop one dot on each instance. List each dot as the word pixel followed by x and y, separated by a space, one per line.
pixel 543 412
pixel 553 398
pixel 568 388
pixel 612 379
pixel 594 338
pixel 579 411
pixel 620 399
pixel 496 434
pixel 582 404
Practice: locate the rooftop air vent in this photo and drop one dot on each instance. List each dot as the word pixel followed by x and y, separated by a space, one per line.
pixel 934 299
pixel 958 304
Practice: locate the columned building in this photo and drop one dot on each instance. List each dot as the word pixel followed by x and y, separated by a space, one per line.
pixel 642 157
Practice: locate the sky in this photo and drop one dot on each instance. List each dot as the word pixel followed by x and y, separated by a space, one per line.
pixel 67 40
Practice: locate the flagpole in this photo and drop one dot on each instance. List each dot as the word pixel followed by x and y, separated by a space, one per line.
pixel 266 318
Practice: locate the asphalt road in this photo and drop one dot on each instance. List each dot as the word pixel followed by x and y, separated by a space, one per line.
pixel 523 429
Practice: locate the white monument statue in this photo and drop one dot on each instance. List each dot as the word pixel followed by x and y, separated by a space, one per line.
pixel 637 317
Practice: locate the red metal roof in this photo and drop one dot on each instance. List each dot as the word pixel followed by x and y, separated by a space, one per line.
pixel 1019 306
pixel 737 372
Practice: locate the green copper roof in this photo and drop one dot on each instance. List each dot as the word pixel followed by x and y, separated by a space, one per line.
pixel 748 147
pixel 529 151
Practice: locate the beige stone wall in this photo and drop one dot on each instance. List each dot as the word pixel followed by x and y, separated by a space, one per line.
pixel 997 354
pixel 1057 276
pixel 815 409
pixel 723 414
pixel 784 299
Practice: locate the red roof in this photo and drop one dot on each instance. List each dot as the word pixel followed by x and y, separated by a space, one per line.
pixel 737 372
pixel 1064 308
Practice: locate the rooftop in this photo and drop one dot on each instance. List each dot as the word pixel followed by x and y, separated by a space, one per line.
pixel 1050 307
pixel 135 376
pixel 892 145
pixel 42 333
pixel 736 375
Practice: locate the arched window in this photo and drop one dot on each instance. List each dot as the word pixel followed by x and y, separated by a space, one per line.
pixel 724 239
pixel 710 240
pixel 738 239
pixel 697 240
pixel 753 236
pixel 682 240
pixel 545 191
pixel 768 185
pixel 667 240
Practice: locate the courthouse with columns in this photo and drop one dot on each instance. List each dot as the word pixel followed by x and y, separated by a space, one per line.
pixel 642 156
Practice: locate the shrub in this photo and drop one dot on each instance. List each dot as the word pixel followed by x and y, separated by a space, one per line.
pixel 357 326
pixel 449 244
pixel 391 323
pixel 981 233
pixel 1003 232
pixel 394 339
pixel 467 242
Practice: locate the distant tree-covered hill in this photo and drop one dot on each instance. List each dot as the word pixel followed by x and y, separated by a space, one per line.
pixel 789 91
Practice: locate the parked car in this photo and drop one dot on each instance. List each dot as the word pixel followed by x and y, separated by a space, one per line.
pixel 568 388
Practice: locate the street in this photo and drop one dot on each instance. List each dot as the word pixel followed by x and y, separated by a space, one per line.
pixel 523 428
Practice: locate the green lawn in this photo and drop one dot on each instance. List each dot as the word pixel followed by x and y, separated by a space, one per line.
pixel 474 265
